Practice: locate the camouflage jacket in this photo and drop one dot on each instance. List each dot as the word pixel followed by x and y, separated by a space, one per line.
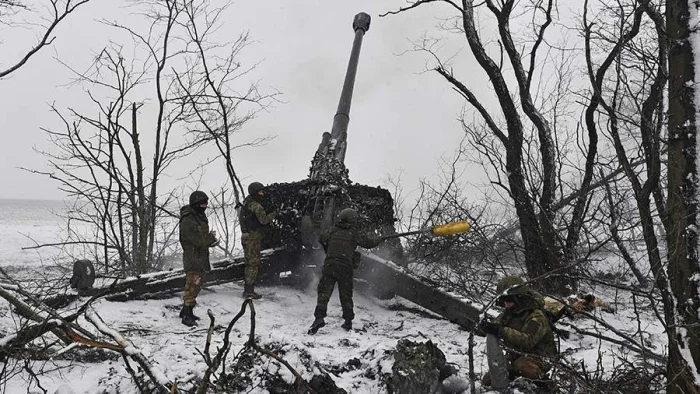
pixel 341 241
pixel 526 328
pixel 253 217
pixel 195 239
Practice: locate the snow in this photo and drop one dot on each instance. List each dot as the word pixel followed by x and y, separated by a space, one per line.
pixel 64 389
pixel 283 317
pixel 25 224
pixel 6 339
pixel 152 329
pixel 694 26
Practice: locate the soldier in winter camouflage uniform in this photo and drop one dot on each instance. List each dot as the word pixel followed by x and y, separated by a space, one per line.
pixel 340 243
pixel 253 219
pixel 196 239
pixel 524 329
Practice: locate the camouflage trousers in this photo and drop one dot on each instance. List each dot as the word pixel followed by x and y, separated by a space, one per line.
pixel 333 274
pixel 527 367
pixel 251 251
pixel 193 284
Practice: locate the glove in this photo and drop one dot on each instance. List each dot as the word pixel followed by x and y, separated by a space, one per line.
pixel 273 214
pixel 490 328
pixel 215 242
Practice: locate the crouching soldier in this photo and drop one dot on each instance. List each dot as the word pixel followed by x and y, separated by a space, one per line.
pixel 196 239
pixel 254 220
pixel 340 243
pixel 524 329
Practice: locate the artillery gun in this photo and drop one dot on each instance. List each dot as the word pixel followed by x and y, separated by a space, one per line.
pixel 310 207
pixel 307 208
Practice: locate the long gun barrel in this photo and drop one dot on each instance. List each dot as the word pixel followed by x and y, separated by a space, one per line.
pixel 333 146
pixel 339 132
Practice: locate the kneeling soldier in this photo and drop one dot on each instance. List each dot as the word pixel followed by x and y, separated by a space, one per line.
pixel 524 329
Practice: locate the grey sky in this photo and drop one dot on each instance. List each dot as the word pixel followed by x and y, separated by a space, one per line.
pixel 401 118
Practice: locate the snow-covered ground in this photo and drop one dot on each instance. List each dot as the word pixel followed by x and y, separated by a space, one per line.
pixel 26 223
pixel 283 318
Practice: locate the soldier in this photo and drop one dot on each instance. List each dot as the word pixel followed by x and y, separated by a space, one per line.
pixel 253 219
pixel 341 259
pixel 524 329
pixel 196 239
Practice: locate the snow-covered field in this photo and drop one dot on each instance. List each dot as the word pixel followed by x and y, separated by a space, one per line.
pixel 25 223
pixel 283 317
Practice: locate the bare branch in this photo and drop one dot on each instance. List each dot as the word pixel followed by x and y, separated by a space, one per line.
pixel 59 14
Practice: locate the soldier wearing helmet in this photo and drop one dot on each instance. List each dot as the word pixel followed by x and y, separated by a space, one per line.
pixel 340 243
pixel 195 239
pixel 253 219
pixel 524 329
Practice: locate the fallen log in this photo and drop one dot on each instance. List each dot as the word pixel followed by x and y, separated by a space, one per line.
pixel 149 286
pixel 164 284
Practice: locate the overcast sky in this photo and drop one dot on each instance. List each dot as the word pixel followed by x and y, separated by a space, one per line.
pixel 402 118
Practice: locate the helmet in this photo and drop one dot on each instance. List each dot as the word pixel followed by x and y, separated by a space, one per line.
pixel 198 197
pixel 507 282
pixel 516 291
pixel 348 215
pixel 254 188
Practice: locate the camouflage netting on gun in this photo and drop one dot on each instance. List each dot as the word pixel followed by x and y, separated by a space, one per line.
pixel 294 200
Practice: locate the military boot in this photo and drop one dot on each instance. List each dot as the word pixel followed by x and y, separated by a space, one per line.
pixel 249 292
pixel 187 317
pixel 186 310
pixel 347 325
pixel 318 323
pixel 192 315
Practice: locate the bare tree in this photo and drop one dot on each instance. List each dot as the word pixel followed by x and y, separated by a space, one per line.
pixel 100 161
pixel 627 44
pixel 215 88
pixel 50 13
pixel 633 108
pixel 103 159
pixel 466 263
pixel 525 149
pixel 622 91
pixel 683 259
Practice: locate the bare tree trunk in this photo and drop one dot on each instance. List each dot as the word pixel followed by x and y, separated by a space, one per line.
pixel 540 258
pixel 682 239
pixel 144 229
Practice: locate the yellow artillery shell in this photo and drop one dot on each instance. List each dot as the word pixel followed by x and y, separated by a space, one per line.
pixel 451 229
